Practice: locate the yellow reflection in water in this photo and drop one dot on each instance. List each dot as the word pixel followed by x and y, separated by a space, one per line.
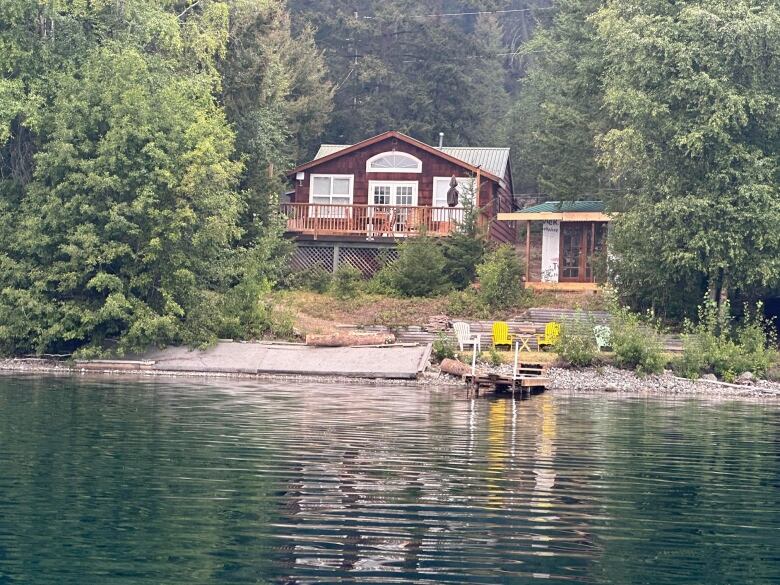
pixel 544 459
pixel 497 451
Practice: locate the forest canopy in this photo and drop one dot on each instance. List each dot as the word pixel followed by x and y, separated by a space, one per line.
pixel 143 143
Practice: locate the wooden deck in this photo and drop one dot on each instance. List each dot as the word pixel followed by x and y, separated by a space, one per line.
pixel 371 221
pixel 590 287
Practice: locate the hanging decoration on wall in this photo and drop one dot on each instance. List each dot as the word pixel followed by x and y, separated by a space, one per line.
pixel 452 194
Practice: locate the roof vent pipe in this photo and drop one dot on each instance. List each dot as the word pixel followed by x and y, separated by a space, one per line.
pixel 441 139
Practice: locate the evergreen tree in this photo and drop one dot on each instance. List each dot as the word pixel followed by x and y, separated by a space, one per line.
pixel 558 111
pixel 119 178
pixel 693 91
pixel 397 67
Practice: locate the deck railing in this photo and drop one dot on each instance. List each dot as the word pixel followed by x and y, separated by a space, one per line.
pixel 371 221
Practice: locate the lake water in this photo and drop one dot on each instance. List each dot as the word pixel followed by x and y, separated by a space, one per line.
pixel 174 482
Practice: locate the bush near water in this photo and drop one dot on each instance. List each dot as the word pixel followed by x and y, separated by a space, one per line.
pixel 717 344
pixel 576 344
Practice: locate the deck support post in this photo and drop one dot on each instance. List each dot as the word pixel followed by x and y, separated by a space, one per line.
pixel 336 257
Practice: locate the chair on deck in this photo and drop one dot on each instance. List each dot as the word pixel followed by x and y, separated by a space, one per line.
pixel 603 336
pixel 552 331
pixel 382 222
pixel 501 334
pixel 465 337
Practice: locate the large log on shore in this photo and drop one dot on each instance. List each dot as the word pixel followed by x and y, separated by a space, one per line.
pixel 454 367
pixel 349 339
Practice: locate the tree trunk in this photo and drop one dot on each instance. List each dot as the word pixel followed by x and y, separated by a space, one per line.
pixel 712 288
pixel 723 300
pixel 455 367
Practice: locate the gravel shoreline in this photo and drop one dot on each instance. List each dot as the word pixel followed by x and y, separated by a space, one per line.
pixel 586 380
pixel 609 379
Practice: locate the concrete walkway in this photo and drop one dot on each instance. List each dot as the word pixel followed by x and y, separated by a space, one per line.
pixel 392 361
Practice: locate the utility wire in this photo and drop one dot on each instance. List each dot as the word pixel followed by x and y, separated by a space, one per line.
pixel 475 13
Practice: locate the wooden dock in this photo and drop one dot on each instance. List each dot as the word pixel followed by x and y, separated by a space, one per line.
pixel 526 378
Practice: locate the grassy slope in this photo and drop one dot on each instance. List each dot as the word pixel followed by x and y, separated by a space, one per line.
pixel 323 313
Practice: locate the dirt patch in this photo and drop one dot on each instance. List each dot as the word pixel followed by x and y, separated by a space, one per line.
pixel 319 313
pixel 322 313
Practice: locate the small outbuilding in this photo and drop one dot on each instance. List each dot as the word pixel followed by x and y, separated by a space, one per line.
pixel 563 253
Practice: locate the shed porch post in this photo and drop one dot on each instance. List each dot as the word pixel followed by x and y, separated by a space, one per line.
pixel 528 250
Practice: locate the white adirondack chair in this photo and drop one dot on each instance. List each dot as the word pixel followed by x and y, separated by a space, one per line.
pixel 465 337
pixel 603 336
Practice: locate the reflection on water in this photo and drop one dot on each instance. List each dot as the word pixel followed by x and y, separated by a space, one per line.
pixel 238 482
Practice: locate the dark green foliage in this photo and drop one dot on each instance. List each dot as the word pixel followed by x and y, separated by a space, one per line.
pixel 696 139
pixel 122 220
pixel 419 270
pixel 131 209
pixel 315 279
pixel 727 348
pixel 668 111
pixel 500 279
pixel 576 344
pixel 465 248
pixel 346 282
pixel 377 65
pixel 558 110
pixel 276 96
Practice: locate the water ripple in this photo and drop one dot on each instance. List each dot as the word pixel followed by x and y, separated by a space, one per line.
pixel 240 482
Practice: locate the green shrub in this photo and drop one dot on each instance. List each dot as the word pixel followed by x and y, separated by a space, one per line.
pixel 576 344
pixel 315 279
pixel 500 279
pixel 719 346
pixel 637 344
pixel 418 272
pixel 465 249
pixel 494 357
pixel 245 312
pixel 443 348
pixel 346 282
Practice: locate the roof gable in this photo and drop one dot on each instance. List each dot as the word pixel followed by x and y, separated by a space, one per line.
pixel 492 161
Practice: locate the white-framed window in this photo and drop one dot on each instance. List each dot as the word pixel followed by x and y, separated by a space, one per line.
pixel 394 162
pixel 330 190
pixel 441 185
pixel 393 192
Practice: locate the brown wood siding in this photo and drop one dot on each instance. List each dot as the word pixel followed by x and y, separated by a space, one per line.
pixel 355 164
pixel 503 231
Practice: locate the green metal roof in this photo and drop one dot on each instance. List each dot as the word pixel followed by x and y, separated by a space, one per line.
pixel 566 207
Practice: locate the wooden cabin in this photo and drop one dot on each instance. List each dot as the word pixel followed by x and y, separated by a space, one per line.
pixel 560 255
pixel 354 201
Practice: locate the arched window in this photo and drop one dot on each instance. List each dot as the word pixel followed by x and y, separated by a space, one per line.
pixel 394 162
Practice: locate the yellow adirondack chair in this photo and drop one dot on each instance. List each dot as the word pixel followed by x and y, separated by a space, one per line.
pixel 501 334
pixel 551 333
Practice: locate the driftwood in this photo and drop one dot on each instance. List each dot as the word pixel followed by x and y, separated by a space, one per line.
pixel 349 339
pixel 455 367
